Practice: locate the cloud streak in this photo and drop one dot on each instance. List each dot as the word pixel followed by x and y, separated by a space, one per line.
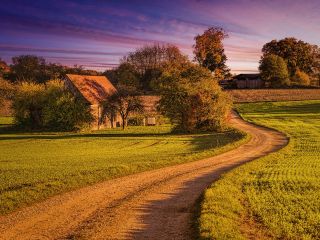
pixel 100 32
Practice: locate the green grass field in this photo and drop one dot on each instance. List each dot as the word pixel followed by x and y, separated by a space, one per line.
pixel 6 121
pixel 35 166
pixel 277 196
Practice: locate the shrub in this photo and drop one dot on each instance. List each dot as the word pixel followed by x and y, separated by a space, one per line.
pixel 192 99
pixel 6 90
pixel 138 120
pixel 274 71
pixel 28 104
pixel 49 106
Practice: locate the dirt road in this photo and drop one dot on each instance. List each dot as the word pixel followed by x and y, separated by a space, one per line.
pixel 157 204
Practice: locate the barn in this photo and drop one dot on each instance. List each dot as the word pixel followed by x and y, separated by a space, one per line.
pixel 93 90
pixel 248 81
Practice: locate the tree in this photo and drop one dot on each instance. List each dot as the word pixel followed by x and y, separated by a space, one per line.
pixel 28 104
pixel 4 68
pixel 301 78
pixel 31 68
pixel 126 75
pixel 111 75
pixel 147 63
pixel 7 91
pixel 274 71
pixel 192 99
pixel 125 102
pixel 28 68
pixel 49 106
pixel 315 76
pixel 209 52
pixel 62 111
pixel 297 54
pixel 109 110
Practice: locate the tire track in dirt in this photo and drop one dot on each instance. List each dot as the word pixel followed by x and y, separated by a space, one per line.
pixel 157 204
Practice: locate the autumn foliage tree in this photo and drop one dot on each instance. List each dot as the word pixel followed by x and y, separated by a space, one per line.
pixel 301 78
pixel 298 55
pixel 209 51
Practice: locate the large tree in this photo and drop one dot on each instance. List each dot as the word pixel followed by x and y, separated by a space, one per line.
pixel 28 68
pixel 124 74
pixel 31 68
pixel 209 51
pixel 148 63
pixel 315 76
pixel 192 99
pixel 124 102
pixel 49 106
pixel 297 54
pixel 274 71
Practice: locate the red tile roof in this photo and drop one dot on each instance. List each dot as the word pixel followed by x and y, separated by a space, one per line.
pixel 95 89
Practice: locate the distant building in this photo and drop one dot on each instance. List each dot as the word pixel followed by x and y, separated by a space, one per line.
pixel 248 81
pixel 93 90
pixel 227 83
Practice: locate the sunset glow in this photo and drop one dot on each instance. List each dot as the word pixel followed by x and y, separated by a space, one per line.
pixel 96 34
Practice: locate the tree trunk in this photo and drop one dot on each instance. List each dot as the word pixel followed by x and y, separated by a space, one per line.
pixel 123 122
pixel 111 120
pixel 35 116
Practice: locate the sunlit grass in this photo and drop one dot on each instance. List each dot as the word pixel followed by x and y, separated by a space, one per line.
pixel 34 166
pixel 277 196
pixel 6 120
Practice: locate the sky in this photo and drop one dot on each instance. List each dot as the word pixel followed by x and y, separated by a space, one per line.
pixel 97 33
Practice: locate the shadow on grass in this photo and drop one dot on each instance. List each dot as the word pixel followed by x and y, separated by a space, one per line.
pixel 56 136
pixel 200 141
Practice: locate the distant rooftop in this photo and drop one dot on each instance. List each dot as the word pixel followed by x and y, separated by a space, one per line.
pixel 249 76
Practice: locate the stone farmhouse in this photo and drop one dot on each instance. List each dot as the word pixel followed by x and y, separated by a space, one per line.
pixel 94 90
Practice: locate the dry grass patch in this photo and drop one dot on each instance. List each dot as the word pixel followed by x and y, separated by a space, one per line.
pixel 266 95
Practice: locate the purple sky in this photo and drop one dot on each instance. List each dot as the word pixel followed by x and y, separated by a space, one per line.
pixel 96 34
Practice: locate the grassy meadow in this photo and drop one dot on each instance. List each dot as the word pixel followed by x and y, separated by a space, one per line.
pixel 4 121
pixel 271 95
pixel 277 196
pixel 34 166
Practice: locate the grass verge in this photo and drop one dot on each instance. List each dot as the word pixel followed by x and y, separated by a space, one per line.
pixel 34 166
pixel 277 196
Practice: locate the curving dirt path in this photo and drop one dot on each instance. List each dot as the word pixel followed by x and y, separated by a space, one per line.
pixel 157 204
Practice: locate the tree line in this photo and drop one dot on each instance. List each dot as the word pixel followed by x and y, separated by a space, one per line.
pixel 190 94
pixel 290 62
